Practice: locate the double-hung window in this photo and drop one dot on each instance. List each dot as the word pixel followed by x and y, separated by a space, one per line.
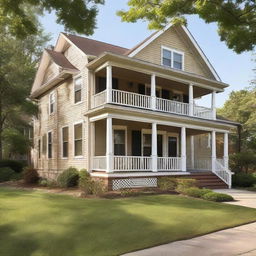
pixel 78 90
pixel 78 139
pixel 49 147
pixel 51 102
pixel 172 58
pixel 65 142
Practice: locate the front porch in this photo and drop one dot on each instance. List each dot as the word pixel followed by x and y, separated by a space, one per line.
pixel 126 147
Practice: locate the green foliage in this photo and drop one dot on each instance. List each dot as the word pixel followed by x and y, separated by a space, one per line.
pixel 98 187
pixel 235 19
pixel 196 192
pixel 6 174
pixel 217 197
pixel 243 180
pixel 17 166
pixel 242 162
pixel 68 178
pixel 183 184
pixel 78 16
pixel 30 175
pixel 47 183
pixel 128 192
pixel 85 182
pixel 167 183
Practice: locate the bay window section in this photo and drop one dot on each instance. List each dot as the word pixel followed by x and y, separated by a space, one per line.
pixel 78 139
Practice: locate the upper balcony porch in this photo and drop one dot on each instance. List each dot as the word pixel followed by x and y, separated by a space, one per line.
pixel 123 85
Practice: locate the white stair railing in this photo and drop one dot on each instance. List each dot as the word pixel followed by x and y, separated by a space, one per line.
pixel 222 172
pixel 132 163
pixel 172 106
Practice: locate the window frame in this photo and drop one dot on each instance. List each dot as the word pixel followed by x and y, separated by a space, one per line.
pixel 120 127
pixel 47 147
pixel 74 89
pixel 64 157
pixel 39 141
pixel 74 124
pixel 172 58
pixel 52 103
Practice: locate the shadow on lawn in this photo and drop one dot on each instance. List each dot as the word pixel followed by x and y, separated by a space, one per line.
pixel 67 226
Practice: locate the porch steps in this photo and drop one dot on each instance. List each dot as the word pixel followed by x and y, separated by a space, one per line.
pixel 208 180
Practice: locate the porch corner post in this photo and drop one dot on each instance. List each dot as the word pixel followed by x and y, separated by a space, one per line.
pixel 214 105
pixel 213 150
pixel 153 91
pixel 154 147
pixel 183 149
pixel 192 148
pixel 109 83
pixel 109 145
pixel 225 155
pixel 191 100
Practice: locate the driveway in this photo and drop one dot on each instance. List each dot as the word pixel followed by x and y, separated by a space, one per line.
pixel 230 242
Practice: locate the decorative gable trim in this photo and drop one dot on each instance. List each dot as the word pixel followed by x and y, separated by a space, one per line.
pixel 192 39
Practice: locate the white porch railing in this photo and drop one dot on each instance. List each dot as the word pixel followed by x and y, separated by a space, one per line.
pixel 132 163
pixel 169 163
pixel 222 172
pixel 172 106
pixel 203 112
pixel 131 99
pixel 204 164
pixel 99 99
pixel 99 163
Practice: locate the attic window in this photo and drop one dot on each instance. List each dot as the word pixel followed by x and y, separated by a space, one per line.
pixel 172 58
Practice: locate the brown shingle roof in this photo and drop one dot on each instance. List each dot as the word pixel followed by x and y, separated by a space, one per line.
pixel 60 59
pixel 94 47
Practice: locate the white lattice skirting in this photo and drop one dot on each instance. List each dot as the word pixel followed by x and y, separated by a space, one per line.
pixel 134 183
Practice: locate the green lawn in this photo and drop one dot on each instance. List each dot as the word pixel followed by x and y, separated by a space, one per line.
pixel 40 224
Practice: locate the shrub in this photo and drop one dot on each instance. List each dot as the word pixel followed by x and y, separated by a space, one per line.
pixel 98 187
pixel 68 178
pixel 242 162
pixel 183 184
pixel 126 192
pixel 30 175
pixel 167 183
pixel 217 197
pixel 16 166
pixel 85 182
pixel 6 174
pixel 196 192
pixel 47 183
pixel 243 180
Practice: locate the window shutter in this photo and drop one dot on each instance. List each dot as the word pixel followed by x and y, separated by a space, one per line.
pixel 136 143
pixel 141 89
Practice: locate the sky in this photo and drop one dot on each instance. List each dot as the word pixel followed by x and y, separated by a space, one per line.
pixel 233 69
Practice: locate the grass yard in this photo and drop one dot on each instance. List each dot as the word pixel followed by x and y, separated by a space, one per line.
pixel 43 224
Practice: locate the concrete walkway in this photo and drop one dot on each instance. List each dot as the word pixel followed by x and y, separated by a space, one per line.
pixel 230 242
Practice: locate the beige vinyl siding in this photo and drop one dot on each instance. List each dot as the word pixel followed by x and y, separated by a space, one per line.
pixel 75 57
pixel 51 72
pixel 193 63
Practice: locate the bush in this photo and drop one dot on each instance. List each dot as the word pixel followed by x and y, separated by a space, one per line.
pixel 85 182
pixel 243 180
pixel 16 166
pixel 196 192
pixel 68 178
pixel 217 197
pixel 30 175
pixel 183 184
pixel 242 162
pixel 167 183
pixel 98 187
pixel 6 174
pixel 125 192
pixel 47 183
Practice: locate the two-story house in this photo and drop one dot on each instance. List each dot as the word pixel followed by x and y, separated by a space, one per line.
pixel 129 116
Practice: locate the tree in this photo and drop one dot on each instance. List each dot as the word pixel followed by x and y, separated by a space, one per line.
pixel 236 20
pixel 18 60
pixel 78 15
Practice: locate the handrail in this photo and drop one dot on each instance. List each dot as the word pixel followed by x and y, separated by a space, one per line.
pixel 223 173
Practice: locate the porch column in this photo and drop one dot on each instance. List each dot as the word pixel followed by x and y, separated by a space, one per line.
pixel 213 105
pixel 191 100
pixel 154 147
pixel 192 149
pixel 183 149
pixel 213 150
pixel 109 83
pixel 225 155
pixel 109 145
pixel 153 91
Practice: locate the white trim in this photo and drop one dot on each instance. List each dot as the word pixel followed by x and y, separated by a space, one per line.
pixel 61 144
pixel 120 127
pixel 194 42
pixel 172 50
pixel 47 144
pixel 73 139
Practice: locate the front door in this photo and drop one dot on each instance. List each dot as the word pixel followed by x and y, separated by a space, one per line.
pixel 172 146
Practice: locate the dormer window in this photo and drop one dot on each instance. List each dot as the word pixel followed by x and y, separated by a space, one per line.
pixel 172 58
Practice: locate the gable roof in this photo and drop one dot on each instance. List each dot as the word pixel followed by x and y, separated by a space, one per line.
pixel 151 38
pixel 60 59
pixel 94 47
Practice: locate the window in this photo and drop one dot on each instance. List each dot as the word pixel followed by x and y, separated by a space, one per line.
pixel 65 142
pixel 147 144
pixel 44 144
pixel 51 102
pixel 119 142
pixel 78 139
pixel 78 90
pixel 39 149
pixel 49 148
pixel 172 58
